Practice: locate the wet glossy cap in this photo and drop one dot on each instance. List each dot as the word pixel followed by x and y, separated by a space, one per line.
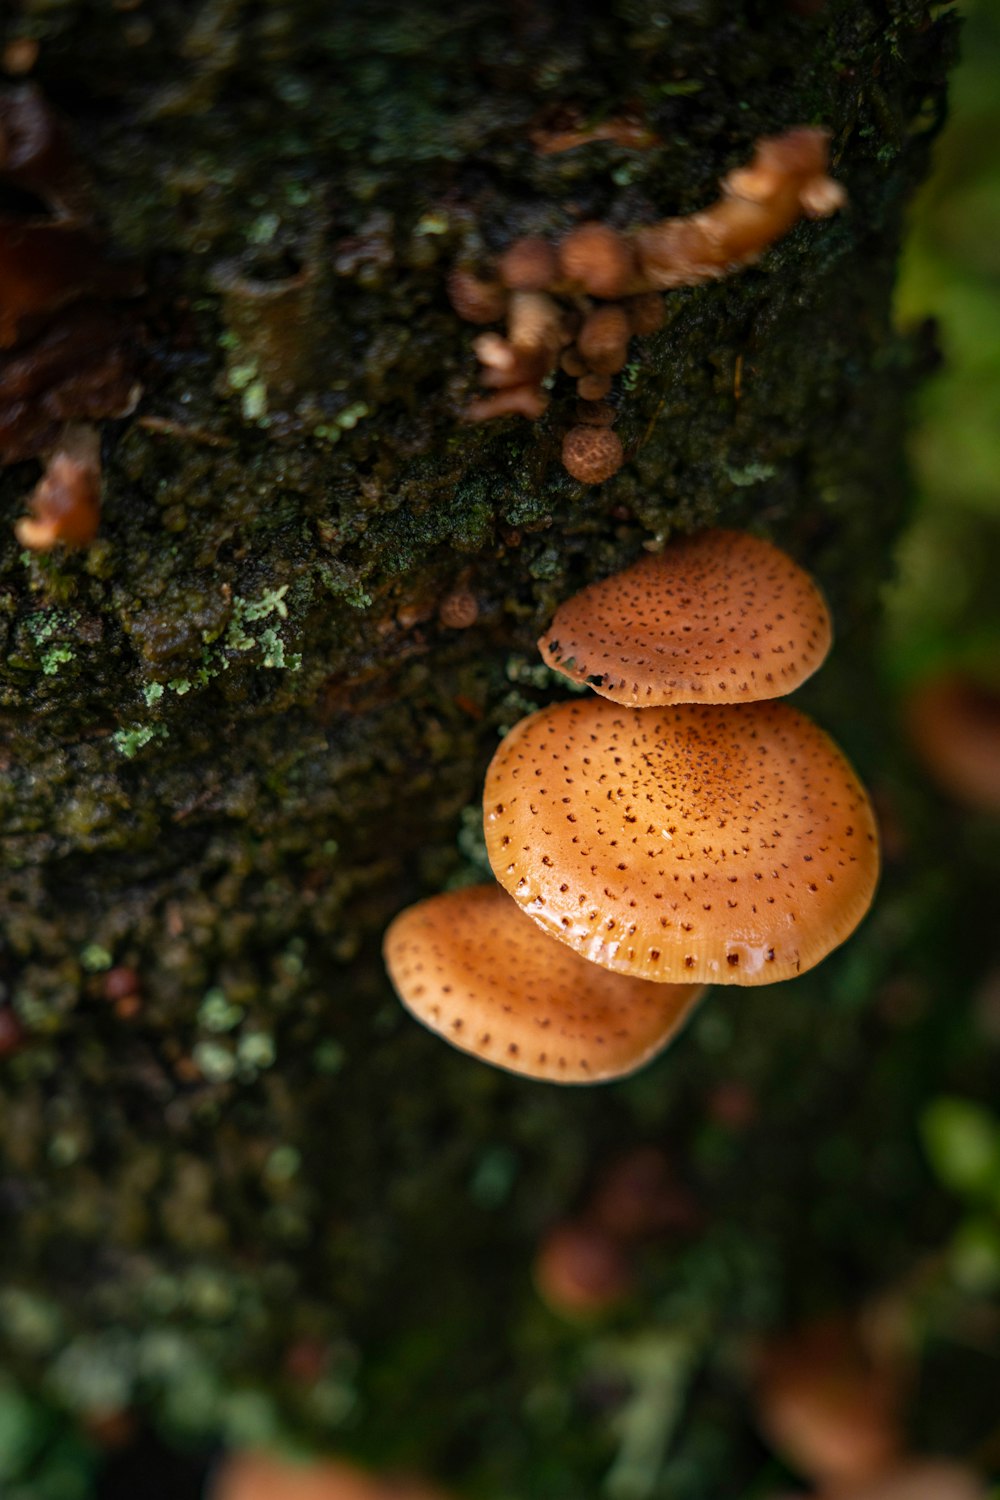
pixel 473 968
pixel 720 617
pixel 727 845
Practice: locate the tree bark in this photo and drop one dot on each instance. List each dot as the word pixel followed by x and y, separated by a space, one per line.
pixel 238 738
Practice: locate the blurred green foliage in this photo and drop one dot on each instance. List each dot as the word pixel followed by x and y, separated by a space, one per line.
pixel 944 608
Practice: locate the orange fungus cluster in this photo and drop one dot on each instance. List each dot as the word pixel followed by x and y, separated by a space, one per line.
pixel 574 306
pixel 684 828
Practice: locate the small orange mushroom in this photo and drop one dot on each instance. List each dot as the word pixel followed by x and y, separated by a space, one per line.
pixel 528 265
pixel 603 339
pixel 719 617
pixel 592 454
pixel 474 298
pixel 729 845
pixel 598 260
pixel 472 968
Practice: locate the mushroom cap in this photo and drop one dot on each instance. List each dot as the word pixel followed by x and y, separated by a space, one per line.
pixel 921 1479
pixel 719 617
pixel 727 845
pixel 592 454
pixel 471 967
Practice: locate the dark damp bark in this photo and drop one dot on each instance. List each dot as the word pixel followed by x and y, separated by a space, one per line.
pixel 236 739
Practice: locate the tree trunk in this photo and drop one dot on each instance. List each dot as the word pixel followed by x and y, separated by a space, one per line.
pixel 244 1189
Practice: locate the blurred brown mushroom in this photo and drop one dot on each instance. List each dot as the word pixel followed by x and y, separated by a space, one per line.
pixel 66 502
pixel 827 1407
pixel 581 1271
pixel 954 725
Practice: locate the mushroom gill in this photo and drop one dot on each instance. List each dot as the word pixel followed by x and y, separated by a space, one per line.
pixel 472 968
pixel 726 845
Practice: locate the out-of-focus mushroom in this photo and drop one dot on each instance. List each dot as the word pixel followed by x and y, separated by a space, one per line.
pixel 598 260
pixel 828 1408
pixel 474 969
pixel 528 265
pixel 254 1475
pixel 954 725
pixel 728 845
pixel 581 1271
pixel 919 1479
pixel 720 617
pixel 66 502
pixel 786 180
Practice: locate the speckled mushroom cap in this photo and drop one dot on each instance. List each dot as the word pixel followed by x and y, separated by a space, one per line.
pixel 727 845
pixel 473 968
pixel 720 617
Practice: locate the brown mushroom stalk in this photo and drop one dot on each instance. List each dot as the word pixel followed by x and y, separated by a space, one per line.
pixel 719 617
pixel 724 845
pixel 66 502
pixel 476 971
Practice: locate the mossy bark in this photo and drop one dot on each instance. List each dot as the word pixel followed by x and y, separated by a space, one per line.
pixel 237 739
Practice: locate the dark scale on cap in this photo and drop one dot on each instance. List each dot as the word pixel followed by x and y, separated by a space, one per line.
pixel 472 967
pixel 728 845
pixel 721 617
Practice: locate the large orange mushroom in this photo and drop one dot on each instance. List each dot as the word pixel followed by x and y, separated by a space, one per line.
pixel 719 617
pixel 729 845
pixel 474 969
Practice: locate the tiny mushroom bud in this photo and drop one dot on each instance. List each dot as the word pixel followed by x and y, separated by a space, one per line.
pixel 603 339
pixel 581 1271
pixel 596 414
pixel 459 609
pixel 593 387
pixel 729 844
pixel 474 969
pixel 718 617
pixel 528 265
pixel 598 259
pixel 592 454
pixel 476 300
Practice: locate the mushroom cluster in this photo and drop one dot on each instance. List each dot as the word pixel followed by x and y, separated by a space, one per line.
pixel 575 306
pixel 680 830
pixel 67 347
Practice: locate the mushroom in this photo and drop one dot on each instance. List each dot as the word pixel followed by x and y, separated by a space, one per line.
pixel 920 1479
pixel 598 260
pixel 592 454
pixel 729 844
pixel 252 1475
pixel 581 1270
pixel 827 1406
pixel 472 968
pixel 954 724
pixel 720 617
pixel 66 502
